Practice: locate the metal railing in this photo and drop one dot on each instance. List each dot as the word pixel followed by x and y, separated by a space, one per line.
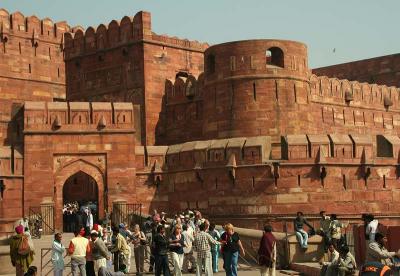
pixel 46 266
pixel 45 214
pixel 129 214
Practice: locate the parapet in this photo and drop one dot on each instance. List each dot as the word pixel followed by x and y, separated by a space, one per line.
pixel 78 116
pixel 354 93
pixel 31 27
pixel 119 33
pixel 209 153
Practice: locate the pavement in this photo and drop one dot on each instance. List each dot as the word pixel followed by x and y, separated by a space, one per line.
pixel 43 256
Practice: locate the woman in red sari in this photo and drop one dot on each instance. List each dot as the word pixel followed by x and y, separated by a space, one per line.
pixel 267 252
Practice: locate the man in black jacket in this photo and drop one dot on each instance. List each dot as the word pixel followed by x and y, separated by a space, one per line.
pixel 161 246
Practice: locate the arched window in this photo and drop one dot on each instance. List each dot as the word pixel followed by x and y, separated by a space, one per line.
pixel 274 57
pixel 211 64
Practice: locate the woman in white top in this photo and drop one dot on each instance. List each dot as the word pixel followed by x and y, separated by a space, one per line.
pixel 57 257
pixel 138 248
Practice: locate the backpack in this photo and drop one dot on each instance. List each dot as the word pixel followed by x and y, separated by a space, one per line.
pixel 24 247
pixel 375 269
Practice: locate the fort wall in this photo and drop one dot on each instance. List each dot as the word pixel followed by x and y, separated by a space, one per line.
pixel 383 70
pixel 131 64
pixel 31 67
pixel 337 173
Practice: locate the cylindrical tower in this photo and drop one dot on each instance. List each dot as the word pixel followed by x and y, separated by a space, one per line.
pixel 252 88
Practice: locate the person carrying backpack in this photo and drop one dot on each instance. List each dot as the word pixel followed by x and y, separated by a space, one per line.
pixel 21 251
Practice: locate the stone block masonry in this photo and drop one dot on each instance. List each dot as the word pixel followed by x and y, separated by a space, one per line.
pixel 242 130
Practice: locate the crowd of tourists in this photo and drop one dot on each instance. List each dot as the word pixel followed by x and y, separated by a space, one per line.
pixel 189 241
pixel 192 244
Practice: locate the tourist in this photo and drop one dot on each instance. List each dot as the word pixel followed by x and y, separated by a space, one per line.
pixel 215 247
pixel 188 257
pixel 330 268
pixel 189 221
pixel 21 252
pixel 201 245
pixel 161 246
pixel 32 271
pixel 231 245
pixel 198 220
pixel 336 231
pixel 139 243
pixel 301 234
pixel 324 229
pixel 347 262
pixel 57 253
pixel 100 253
pixel 176 243
pixel 89 260
pixel 127 234
pixel 106 237
pixel 371 228
pixel 156 216
pixel 89 221
pixel 267 252
pixel 377 252
pixel 163 218
pixel 78 249
pixel 121 251
pixel 152 248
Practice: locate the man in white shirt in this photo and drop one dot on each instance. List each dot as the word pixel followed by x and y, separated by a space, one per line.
pixel 371 228
pixel 330 268
pixel 188 249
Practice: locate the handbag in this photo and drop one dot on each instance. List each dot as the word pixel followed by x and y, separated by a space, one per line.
pixel 143 242
pixel 24 247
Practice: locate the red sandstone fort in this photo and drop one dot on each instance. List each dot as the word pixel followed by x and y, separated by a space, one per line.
pixel 241 130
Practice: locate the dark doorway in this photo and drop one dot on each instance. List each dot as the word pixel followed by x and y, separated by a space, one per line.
pixel 79 191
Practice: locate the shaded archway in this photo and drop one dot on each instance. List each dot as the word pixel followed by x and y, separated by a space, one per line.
pixel 69 170
pixel 79 190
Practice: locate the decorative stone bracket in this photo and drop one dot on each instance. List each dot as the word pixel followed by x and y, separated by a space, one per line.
pixel 56 123
pixel 232 166
pixel 198 171
pixel 3 34
pixel 156 174
pixel 366 171
pixel 2 189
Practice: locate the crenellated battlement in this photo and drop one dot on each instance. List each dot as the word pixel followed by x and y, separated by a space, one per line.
pixel 354 93
pixel 119 33
pixel 184 90
pixel 77 116
pixel 16 24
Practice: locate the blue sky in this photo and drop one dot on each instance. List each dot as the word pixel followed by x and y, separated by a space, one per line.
pixel 357 29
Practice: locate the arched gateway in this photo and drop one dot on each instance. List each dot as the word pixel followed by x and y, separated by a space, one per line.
pixel 79 190
pixel 82 182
